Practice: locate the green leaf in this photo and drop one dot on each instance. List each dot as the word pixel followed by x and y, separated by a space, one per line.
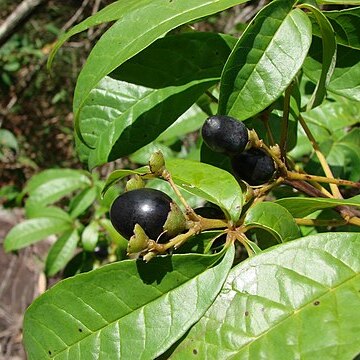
pixel 7 139
pixel 265 60
pixel 345 80
pixel 346 24
pixel 299 300
pixel 82 201
pixel 90 235
pixel 131 34
pixel 188 122
pixel 142 155
pixel 339 2
pixel 49 211
pixel 31 231
pixel 130 309
pixel 61 252
pixel 51 185
pixel 301 207
pixel 124 112
pixel 210 183
pixel 274 219
pixel 328 56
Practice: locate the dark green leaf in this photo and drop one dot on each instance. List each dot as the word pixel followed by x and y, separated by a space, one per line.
pixel 265 60
pixel 328 56
pixel 61 252
pixel 129 310
pixel 298 301
pixel 131 34
pixel 124 112
pixel 346 24
pixel 345 80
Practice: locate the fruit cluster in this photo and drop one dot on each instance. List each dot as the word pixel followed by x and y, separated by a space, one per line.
pixel 148 217
pixel 224 134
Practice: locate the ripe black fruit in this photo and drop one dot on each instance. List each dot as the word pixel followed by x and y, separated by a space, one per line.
pixel 147 207
pixel 224 134
pixel 253 166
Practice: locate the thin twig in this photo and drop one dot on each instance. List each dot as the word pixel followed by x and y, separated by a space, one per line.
pixel 334 189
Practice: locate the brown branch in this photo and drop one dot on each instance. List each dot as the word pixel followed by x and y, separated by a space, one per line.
pixel 19 15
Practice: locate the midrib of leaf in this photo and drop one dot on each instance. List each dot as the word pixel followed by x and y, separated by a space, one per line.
pixel 297 311
pixel 129 45
pixel 264 54
pixel 100 329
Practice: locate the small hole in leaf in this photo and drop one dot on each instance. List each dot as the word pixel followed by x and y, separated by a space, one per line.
pixel 317 302
pixel 49 352
pixel 80 330
pixel 246 313
pixel 195 352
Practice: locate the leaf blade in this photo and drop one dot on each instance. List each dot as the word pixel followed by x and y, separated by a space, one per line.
pixel 276 296
pixel 264 55
pixel 111 321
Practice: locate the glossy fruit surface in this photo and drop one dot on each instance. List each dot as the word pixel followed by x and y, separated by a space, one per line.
pixel 253 166
pixel 147 207
pixel 225 134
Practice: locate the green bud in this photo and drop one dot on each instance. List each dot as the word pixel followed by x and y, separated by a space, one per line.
pixel 138 242
pixel 136 182
pixel 175 222
pixel 157 163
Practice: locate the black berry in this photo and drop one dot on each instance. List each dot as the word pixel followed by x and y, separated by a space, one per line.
pixel 225 134
pixel 147 207
pixel 253 166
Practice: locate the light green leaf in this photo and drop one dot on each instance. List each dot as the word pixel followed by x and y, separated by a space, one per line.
pixel 128 310
pixel 328 56
pixel 8 139
pixel 61 252
pixel 339 2
pixel 90 235
pixel 49 211
pixel 265 60
pixel 51 185
pixel 140 23
pixel 82 201
pixel 299 300
pixel 274 219
pixel 300 207
pixel 210 183
pixel 31 231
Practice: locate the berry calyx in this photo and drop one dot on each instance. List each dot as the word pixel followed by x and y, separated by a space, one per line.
pixel 224 134
pixel 146 207
pixel 253 166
